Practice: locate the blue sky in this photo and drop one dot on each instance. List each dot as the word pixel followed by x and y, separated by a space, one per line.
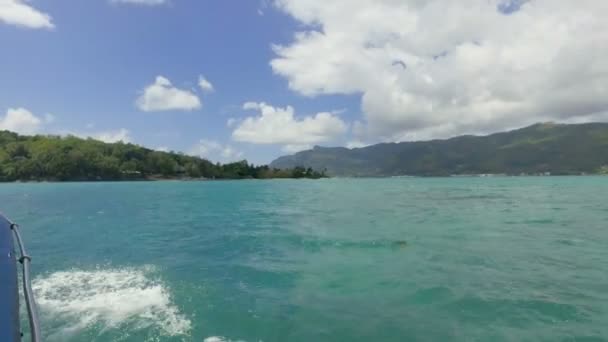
pixel 290 74
pixel 90 68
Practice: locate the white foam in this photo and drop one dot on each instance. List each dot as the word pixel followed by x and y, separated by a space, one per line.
pixel 108 298
pixel 219 339
pixel 215 339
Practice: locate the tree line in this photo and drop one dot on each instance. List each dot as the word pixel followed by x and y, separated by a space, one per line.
pixel 58 158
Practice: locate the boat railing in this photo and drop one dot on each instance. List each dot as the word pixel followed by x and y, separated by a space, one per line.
pixel 30 303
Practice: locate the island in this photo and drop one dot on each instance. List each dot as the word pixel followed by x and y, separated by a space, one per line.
pixel 69 158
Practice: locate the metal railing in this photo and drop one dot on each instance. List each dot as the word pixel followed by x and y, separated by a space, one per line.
pixel 30 303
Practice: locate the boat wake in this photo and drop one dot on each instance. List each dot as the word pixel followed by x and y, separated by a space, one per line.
pixel 107 302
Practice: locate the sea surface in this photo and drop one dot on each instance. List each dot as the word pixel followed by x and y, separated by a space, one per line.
pixel 401 259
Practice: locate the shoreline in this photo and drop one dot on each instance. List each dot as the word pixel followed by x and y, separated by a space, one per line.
pixel 153 179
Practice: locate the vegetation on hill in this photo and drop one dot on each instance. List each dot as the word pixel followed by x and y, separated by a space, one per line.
pixel 558 149
pixel 54 158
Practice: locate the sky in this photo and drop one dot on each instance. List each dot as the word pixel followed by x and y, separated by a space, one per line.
pixel 255 79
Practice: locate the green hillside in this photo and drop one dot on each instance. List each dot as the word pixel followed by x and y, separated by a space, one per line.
pixel 558 149
pixel 54 158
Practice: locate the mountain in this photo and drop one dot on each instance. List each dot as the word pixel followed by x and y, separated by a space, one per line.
pixel 540 148
pixel 55 158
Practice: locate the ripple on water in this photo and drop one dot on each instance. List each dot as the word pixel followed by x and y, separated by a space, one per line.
pixel 439 294
pixel 320 261
pixel 515 311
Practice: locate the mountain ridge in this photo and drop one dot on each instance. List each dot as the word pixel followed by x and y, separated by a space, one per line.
pixel 541 148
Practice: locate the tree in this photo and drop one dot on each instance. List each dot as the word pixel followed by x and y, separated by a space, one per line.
pixel 71 158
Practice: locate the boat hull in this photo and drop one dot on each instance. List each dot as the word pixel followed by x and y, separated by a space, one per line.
pixel 9 291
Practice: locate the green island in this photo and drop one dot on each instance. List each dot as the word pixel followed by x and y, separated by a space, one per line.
pixel 69 158
pixel 539 150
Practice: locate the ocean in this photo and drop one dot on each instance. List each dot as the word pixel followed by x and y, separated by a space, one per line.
pixel 399 259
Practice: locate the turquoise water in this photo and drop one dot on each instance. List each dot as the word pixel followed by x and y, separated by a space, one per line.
pixel 462 259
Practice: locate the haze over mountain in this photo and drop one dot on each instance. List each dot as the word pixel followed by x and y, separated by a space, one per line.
pixel 541 148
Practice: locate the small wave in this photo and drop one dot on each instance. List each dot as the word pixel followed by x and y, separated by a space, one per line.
pixel 219 339
pixel 569 242
pixel 76 300
pixel 348 244
pixel 431 295
pixel 530 222
pixel 214 339
pixel 478 309
pixel 539 221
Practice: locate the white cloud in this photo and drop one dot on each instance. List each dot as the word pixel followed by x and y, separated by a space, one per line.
pixel 439 68
pixel 49 118
pixel 231 122
pixel 229 153
pixel 112 136
pixel 162 149
pixel 276 125
pixel 19 13
pixel 262 7
pixel 213 150
pixel 205 85
pixel 205 147
pixel 356 144
pixel 295 148
pixel 21 120
pixel 163 96
pixel 142 2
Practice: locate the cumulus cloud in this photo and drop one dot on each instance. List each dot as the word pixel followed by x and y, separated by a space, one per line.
pixel 426 69
pixel 262 7
pixel 229 153
pixel 231 122
pixel 163 96
pixel 295 148
pixel 112 136
pixel 141 2
pixel 22 121
pixel 19 13
pixel 204 84
pixel 275 125
pixel 356 144
pixel 213 150
pixel 49 118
